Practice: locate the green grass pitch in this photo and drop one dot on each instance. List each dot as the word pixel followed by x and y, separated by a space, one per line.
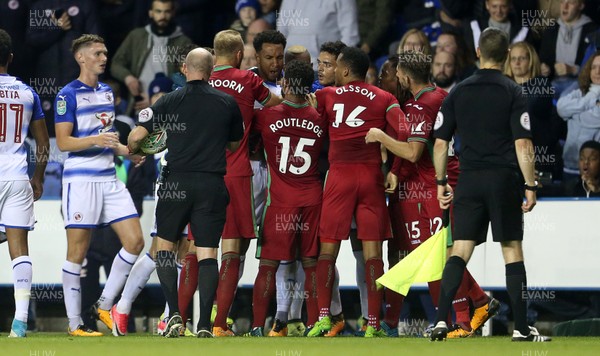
pixel 58 344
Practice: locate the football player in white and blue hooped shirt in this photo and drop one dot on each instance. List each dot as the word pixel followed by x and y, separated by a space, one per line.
pixel 92 195
pixel 20 110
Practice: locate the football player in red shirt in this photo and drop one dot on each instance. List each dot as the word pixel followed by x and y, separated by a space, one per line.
pixel 293 134
pixel 245 87
pixel 355 183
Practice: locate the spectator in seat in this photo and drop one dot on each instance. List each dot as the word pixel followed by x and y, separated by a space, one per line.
pixel 498 14
pixel 148 50
pixel 563 45
pixel 443 70
pixel 523 66
pixel 588 185
pixel 257 26
pixel 269 9
pixel 454 43
pixel 581 110
pixel 414 40
pixel 247 11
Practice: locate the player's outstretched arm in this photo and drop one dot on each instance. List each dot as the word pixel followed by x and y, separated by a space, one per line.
pixel 410 151
pixel 42 151
pixel 68 143
pixel 526 158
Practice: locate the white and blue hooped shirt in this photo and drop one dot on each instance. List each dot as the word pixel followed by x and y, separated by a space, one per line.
pixel 91 111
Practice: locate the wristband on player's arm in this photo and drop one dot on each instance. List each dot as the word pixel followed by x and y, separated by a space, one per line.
pixel 533 187
pixel 441 181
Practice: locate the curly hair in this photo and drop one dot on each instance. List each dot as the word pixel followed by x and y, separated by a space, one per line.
pixel 268 36
pixel 334 48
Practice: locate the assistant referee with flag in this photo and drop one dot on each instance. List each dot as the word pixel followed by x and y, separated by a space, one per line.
pixel 490 114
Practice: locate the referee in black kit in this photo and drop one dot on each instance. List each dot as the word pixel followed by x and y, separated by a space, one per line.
pixel 200 123
pixel 490 114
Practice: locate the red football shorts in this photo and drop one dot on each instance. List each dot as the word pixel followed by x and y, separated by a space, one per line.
pixel 354 190
pixel 239 221
pixel 287 230
pixel 408 225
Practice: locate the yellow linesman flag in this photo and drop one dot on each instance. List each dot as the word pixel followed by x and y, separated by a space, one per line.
pixel 424 264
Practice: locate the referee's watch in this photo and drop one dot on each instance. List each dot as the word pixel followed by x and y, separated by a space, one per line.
pixel 533 188
pixel 441 181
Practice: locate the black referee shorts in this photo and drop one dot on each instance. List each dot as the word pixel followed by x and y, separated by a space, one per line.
pixel 198 198
pixel 485 196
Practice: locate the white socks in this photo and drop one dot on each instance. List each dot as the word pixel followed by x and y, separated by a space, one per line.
pixel 72 293
pixel 285 279
pixel 361 282
pixel 138 277
pixel 22 272
pixel 336 299
pixel 119 271
pixel 298 300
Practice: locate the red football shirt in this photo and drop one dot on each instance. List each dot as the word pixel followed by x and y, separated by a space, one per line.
pixel 351 111
pixel 421 112
pixel 245 87
pixel 293 136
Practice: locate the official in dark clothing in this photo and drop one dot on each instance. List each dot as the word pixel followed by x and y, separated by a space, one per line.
pixel 490 113
pixel 200 122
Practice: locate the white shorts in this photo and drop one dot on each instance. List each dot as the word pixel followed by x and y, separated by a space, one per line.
pixel 16 205
pixel 96 204
pixel 259 187
pixel 153 231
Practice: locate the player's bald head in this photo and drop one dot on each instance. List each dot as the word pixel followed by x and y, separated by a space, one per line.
pixel 227 43
pixel 297 52
pixel 198 63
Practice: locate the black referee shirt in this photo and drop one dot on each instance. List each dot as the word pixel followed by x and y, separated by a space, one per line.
pixel 488 112
pixel 199 121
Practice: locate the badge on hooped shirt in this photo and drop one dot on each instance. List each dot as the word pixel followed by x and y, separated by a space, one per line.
pixel 61 105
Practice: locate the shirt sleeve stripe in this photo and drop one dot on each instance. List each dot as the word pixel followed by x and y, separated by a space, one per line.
pixel 391 107
pixel 417 139
pixel 264 102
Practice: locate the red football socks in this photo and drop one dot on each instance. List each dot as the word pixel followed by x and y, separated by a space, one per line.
pixel 228 280
pixel 374 270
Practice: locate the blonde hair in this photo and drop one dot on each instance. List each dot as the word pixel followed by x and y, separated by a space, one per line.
pixel 534 60
pixel 227 43
pixel 425 49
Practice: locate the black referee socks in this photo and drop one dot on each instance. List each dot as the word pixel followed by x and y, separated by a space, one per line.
pixel 166 268
pixel 451 278
pixel 208 278
pixel 516 285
